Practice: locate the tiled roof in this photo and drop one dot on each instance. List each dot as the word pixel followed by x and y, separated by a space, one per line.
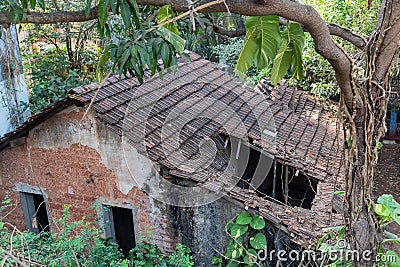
pixel 306 130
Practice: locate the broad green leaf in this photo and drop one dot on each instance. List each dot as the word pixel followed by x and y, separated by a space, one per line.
pixel 233 251
pixel 246 56
pixel 257 222
pixel 228 226
pixel 270 36
pixel 259 241
pixel 297 64
pixel 388 201
pixel 297 39
pixel 244 218
pixel 177 41
pixel 165 14
pixel 381 210
pixel 238 230
pixel 282 62
pixel 262 40
pixel 392 259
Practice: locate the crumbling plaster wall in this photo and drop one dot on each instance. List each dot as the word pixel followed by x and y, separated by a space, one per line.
pixel 76 165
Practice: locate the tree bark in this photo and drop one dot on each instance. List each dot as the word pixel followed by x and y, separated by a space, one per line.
pixel 367 126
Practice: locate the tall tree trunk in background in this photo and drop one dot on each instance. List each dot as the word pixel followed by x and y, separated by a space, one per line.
pixel 14 108
pixel 366 124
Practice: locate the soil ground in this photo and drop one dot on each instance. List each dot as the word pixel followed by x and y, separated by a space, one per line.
pixel 388 180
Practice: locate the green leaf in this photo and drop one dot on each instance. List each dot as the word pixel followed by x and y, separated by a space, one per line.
pixel 257 222
pixel 262 41
pixel 246 56
pixel 259 241
pixel 233 264
pixel 103 14
pixel 41 4
pixel 24 4
pixel 114 4
pixel 228 226
pixel 186 56
pixel 340 193
pixel 234 251
pixel 126 13
pixel 88 7
pixel 251 257
pixel 393 259
pixel 165 14
pixel 282 62
pixel 165 55
pixel 244 218
pixel 177 41
pixel 388 201
pixel 33 4
pixel 238 230
pixel 297 39
pixel 381 210
pixel 270 36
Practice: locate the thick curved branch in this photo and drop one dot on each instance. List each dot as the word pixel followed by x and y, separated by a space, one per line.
pixel 229 33
pixel 334 29
pixel 51 17
pixel 347 35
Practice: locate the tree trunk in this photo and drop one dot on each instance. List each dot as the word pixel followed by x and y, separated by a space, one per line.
pixel 362 225
pixel 13 91
pixel 365 122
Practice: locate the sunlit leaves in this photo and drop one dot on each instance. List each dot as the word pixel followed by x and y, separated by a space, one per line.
pixel 165 14
pixel 387 209
pixel 173 38
pixel 265 44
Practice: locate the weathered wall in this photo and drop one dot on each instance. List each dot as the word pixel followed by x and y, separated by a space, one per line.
pixel 77 165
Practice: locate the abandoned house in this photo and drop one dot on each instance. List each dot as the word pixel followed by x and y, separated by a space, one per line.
pixel 56 159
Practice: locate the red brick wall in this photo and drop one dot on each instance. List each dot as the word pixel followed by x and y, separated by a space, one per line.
pixel 73 176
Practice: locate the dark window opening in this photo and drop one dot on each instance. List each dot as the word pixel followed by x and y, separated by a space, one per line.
pixel 289 186
pixel 35 212
pixel 119 227
pixel 259 172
